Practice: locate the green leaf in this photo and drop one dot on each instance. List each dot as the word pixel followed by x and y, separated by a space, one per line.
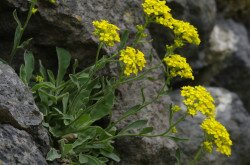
pixel 25 43
pixel 83 159
pixel 83 121
pixel 104 106
pixel 42 70
pixel 66 148
pixel 74 79
pixel 63 64
pixel 29 65
pixel 178 139
pixel 65 102
pixel 51 77
pixel 53 155
pixel 135 125
pixel 91 160
pixel 178 156
pixel 75 65
pixel 110 155
pixel 131 111
pixel 17 36
pixel 22 74
pixel 143 95
pixel 124 39
pixel 146 130
pixel 43 85
pixel 16 18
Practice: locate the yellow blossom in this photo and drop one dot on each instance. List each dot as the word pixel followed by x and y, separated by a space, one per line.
pixel 106 32
pixel 34 10
pixel 198 99
pixel 39 79
pixel 133 59
pixel 186 31
pixel 178 66
pixel 208 146
pixel 174 130
pixel 176 108
pixel 218 135
pixel 158 11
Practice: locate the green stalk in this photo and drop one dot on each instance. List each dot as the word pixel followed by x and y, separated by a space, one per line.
pixel 15 46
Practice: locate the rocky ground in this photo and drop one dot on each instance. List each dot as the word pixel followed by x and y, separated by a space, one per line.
pixel 221 62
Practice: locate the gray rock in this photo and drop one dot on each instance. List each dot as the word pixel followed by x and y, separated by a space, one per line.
pixel 17 105
pixel 18 147
pixel 232 114
pixel 233 72
pixel 238 10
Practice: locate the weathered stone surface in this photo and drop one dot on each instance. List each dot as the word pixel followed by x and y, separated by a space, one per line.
pixel 17 105
pixel 233 72
pixel 232 114
pixel 18 147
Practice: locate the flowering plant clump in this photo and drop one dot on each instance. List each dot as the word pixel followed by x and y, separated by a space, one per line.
pixel 133 59
pixel 106 32
pixel 198 99
pixel 73 104
pixel 178 66
pixel 218 135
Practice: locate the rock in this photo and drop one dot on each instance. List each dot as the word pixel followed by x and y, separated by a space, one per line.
pixel 17 105
pixel 238 10
pixel 233 72
pixel 18 108
pixel 232 114
pixel 18 147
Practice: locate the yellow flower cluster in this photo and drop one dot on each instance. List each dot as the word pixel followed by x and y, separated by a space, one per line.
pixel 198 99
pixel 186 31
pixel 39 79
pixel 218 135
pixel 159 12
pixel 176 108
pixel 106 32
pixel 208 146
pixel 133 59
pixel 178 66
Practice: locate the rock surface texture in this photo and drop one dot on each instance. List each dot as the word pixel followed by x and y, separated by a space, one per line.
pixel 23 140
pixel 222 59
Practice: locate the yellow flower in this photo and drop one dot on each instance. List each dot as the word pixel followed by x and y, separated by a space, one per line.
pixel 208 146
pixel 52 1
pixel 133 59
pixel 39 79
pixel 106 32
pixel 174 130
pixel 34 10
pixel 218 135
pixel 176 108
pixel 198 99
pixel 178 66
pixel 158 11
pixel 186 31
